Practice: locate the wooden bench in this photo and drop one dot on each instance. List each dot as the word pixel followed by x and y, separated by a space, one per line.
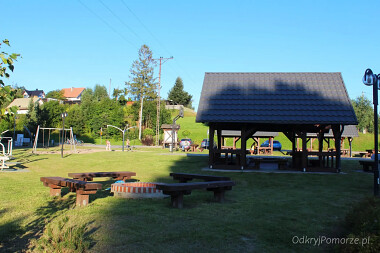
pixel 89 176
pixel 366 164
pixel 184 177
pixel 177 190
pixel 82 188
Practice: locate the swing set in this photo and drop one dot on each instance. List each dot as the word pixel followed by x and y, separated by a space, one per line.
pixel 69 137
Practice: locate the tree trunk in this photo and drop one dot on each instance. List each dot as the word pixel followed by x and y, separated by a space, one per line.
pixel 140 116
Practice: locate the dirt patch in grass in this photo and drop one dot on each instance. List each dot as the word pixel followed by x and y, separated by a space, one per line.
pixel 78 151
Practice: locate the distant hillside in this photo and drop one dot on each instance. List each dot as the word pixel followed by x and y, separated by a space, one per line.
pixel 198 132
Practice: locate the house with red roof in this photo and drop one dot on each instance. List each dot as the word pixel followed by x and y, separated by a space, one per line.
pixel 72 94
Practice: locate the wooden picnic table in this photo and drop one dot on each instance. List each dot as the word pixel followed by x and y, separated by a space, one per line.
pixel 264 150
pixel 89 176
pixel 82 188
pixel 193 147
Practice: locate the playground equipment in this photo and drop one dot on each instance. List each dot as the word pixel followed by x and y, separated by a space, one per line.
pixel 6 153
pixel 50 129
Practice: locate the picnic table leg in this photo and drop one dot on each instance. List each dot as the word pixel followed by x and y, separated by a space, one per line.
pixel 83 197
pixel 177 200
pixel 55 191
pixel 219 195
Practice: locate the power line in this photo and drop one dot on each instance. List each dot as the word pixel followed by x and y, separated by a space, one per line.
pixel 159 42
pixel 120 20
pixel 106 23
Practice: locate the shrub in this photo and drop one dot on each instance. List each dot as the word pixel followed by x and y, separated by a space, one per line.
pixel 148 132
pixel 147 141
pixel 186 133
pixel 363 221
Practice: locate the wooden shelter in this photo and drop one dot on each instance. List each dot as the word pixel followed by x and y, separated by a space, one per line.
pixel 349 132
pixel 236 135
pixel 292 103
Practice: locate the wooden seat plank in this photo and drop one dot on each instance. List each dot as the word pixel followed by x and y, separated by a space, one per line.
pixel 177 190
pixel 184 177
pixel 88 176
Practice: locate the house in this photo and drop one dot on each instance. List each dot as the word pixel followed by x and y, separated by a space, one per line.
pixel 73 95
pixel 34 93
pixel 23 104
pixel 293 103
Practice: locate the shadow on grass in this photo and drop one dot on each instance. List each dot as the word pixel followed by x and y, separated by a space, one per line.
pixel 17 237
pixel 263 212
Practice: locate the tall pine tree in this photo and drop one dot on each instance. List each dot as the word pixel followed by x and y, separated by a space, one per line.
pixel 142 84
pixel 178 95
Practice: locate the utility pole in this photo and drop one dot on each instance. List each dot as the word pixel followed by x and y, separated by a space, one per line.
pixel 109 89
pixel 162 61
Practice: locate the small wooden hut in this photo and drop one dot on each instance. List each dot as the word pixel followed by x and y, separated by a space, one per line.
pixel 168 134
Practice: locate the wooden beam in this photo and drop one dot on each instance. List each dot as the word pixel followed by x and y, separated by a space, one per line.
pixel 211 146
pixel 304 151
pixel 321 136
pixel 243 155
pixel 337 131
pixel 350 142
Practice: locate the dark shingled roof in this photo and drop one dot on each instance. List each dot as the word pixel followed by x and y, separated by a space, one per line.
pixel 275 98
pixel 32 93
pixel 349 131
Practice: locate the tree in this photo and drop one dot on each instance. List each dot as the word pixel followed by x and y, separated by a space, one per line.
pixel 178 95
pixel 57 94
pixel 117 93
pixel 6 92
pixel 142 84
pixel 100 92
pixel 364 113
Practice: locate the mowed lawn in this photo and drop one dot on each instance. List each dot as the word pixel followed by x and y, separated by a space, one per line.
pixel 263 212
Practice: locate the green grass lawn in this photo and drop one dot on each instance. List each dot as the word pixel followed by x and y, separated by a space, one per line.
pixel 263 212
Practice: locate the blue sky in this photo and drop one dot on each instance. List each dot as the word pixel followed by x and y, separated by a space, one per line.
pixel 80 43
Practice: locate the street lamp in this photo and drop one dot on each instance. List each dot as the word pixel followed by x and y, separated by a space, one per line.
pixel 63 115
pixel 126 128
pixel 371 79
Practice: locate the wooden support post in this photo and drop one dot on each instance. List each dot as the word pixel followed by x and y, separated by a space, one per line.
pixel 219 137
pixel 271 145
pixel 219 195
pixel 177 200
pixel 350 142
pixel 55 192
pixel 243 155
pixel 294 148
pixel 337 131
pixel 211 146
pixel 304 151
pixel 321 136
pixel 82 199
